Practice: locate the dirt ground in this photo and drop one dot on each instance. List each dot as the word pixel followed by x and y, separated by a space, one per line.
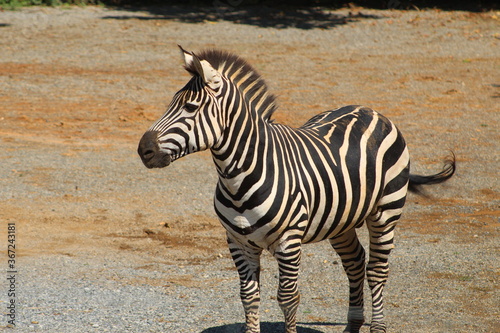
pixel 79 86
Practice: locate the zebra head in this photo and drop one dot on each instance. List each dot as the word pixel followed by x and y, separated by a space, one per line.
pixel 191 122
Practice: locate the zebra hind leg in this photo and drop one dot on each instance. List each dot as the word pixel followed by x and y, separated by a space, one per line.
pixel 352 254
pixel 288 258
pixel 247 262
pixel 381 228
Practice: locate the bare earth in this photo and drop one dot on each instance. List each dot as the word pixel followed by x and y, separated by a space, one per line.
pixel 103 244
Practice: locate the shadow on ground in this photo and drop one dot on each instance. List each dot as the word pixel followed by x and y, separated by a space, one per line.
pixel 273 327
pixel 262 16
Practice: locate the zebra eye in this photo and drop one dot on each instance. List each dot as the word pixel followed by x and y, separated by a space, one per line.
pixel 190 107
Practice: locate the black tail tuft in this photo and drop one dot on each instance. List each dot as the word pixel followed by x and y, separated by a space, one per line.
pixel 448 171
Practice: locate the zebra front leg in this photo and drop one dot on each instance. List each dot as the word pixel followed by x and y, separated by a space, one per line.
pixel 352 254
pixel 247 262
pixel 288 257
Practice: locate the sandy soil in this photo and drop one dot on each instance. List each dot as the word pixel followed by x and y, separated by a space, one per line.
pixel 79 86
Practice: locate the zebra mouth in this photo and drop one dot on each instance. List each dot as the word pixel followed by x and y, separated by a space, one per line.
pixel 158 161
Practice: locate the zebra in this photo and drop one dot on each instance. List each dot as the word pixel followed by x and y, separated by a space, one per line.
pixel 280 187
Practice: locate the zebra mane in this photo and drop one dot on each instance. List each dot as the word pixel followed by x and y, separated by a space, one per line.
pixel 242 75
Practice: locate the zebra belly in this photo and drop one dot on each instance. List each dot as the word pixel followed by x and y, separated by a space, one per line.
pixel 320 229
pixel 258 229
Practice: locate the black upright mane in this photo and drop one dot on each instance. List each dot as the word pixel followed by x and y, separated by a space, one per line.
pixel 242 74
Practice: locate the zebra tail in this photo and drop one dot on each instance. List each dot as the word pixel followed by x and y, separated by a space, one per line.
pixel 448 170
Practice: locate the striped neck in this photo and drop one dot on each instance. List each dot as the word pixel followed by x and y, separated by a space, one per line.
pixel 244 139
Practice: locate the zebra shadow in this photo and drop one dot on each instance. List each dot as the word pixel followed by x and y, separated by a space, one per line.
pixel 267 327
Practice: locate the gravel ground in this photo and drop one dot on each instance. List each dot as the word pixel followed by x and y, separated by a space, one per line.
pixel 103 244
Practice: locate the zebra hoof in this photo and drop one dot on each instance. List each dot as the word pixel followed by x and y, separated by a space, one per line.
pixel 354 326
pixel 378 328
pixel 245 330
pixel 249 329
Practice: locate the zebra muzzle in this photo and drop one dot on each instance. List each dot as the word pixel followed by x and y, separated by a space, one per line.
pixel 150 152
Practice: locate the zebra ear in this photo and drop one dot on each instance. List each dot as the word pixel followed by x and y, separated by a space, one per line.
pixel 202 68
pixel 187 57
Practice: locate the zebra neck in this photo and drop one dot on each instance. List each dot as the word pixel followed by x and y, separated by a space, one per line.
pixel 243 148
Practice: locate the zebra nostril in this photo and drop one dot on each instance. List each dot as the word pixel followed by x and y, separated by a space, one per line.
pixel 148 154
